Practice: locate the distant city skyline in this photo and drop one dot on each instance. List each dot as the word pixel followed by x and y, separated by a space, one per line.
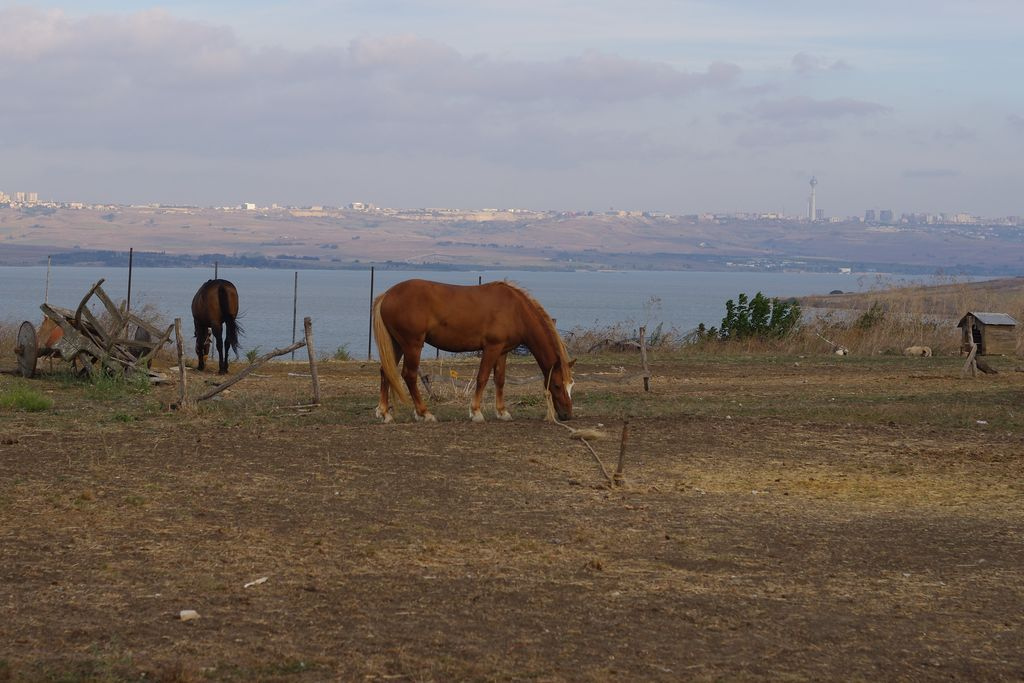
pixel 28 199
pixel 659 105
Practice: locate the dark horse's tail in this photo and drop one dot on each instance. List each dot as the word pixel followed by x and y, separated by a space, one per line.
pixel 232 329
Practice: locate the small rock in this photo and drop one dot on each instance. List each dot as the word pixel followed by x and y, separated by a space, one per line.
pixel 188 614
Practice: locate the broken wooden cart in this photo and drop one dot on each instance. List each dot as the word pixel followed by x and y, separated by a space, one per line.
pixel 89 341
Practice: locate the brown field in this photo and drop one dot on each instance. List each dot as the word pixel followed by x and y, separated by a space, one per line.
pixel 783 518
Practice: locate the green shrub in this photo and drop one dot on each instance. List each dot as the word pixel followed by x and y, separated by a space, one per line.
pixel 757 318
pixel 104 385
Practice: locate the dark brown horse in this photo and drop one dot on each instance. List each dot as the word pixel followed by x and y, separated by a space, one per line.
pixel 215 307
pixel 493 318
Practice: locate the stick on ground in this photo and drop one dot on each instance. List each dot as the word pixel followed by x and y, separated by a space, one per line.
pixel 255 364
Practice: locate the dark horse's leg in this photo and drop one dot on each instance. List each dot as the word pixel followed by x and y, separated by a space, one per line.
pixel 201 337
pixel 411 375
pixel 222 357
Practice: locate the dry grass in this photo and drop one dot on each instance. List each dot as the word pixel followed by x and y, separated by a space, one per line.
pixel 885 320
pixel 890 319
pixel 811 518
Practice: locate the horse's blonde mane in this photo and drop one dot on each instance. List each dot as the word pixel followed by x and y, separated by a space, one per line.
pixel 563 353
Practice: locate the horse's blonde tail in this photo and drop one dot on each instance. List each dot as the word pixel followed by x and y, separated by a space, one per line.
pixel 386 351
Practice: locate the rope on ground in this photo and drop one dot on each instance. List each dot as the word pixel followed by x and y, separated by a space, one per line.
pixel 575 433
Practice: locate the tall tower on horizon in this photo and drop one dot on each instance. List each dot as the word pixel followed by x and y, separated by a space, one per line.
pixel 811 212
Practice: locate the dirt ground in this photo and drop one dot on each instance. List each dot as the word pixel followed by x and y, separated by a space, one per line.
pixel 797 518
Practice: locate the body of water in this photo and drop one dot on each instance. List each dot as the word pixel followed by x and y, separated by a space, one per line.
pixel 338 301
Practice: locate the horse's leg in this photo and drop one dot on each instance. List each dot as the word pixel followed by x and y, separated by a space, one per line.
pixel 411 375
pixel 383 409
pixel 488 359
pixel 499 389
pixel 222 358
pixel 201 346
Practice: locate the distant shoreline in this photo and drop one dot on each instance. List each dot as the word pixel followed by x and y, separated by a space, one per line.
pixel 34 256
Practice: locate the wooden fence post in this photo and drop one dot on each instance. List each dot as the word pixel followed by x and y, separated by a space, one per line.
pixel 643 358
pixel 307 323
pixel 617 478
pixel 182 392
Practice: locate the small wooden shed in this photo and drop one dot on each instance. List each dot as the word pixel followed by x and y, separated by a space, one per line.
pixel 994 333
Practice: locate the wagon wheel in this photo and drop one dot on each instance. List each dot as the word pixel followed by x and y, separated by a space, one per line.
pixel 27 349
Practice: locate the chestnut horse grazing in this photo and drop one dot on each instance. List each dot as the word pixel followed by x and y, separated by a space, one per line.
pixel 215 306
pixel 493 318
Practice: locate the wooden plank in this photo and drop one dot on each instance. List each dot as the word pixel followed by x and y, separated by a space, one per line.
pixel 115 313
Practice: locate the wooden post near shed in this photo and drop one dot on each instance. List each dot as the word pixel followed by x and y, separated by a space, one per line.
pixel 971 366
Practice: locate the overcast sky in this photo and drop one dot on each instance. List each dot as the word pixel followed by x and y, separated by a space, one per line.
pixel 663 105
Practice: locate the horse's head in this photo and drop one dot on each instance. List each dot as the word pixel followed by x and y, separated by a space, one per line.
pixel 560 388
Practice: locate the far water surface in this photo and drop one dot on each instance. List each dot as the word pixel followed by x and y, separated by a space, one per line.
pixel 338 301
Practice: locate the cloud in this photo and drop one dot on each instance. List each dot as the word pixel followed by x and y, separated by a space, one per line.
pixel 1016 121
pixel 804 63
pixel 955 134
pixel 802 109
pixel 150 81
pixel 775 136
pixel 930 173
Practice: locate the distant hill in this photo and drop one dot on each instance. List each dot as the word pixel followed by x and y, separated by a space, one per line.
pixel 492 239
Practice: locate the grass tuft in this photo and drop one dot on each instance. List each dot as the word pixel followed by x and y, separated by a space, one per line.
pixel 20 397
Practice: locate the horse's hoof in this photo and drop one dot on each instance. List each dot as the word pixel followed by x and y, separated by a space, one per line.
pixel 504 415
pixel 476 416
pixel 388 418
pixel 378 412
pixel 425 417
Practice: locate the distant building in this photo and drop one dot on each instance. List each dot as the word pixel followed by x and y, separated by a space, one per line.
pixel 819 214
pixel 812 212
pixel 19 197
pixel 885 216
pixel 869 216
pixel 32 198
